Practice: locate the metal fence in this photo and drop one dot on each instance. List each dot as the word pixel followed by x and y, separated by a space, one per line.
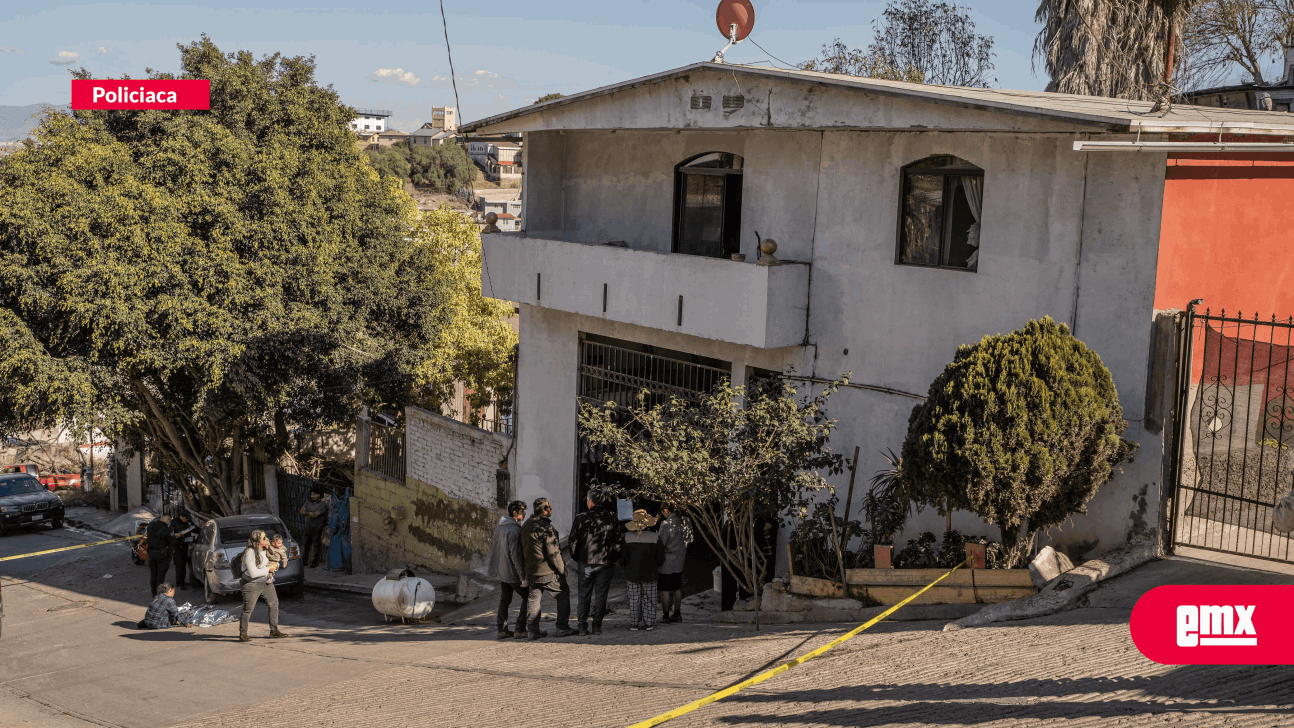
pixel 1234 434
pixel 386 451
pixel 609 373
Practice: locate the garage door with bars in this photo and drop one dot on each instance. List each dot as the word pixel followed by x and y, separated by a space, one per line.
pixel 617 371
pixel 1234 434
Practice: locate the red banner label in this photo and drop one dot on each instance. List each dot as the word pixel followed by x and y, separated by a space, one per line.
pixel 1216 625
pixel 174 95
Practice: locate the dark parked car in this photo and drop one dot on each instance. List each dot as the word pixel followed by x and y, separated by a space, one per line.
pixel 25 502
pixel 224 539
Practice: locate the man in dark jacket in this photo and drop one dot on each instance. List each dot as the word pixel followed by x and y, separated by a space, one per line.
pixel 508 565
pixel 183 534
pixel 159 551
pixel 545 570
pixel 595 543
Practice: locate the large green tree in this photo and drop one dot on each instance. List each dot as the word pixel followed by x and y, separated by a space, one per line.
pixel 198 282
pixel 1020 429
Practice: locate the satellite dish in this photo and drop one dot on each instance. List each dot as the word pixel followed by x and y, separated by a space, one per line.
pixel 738 12
pixel 735 18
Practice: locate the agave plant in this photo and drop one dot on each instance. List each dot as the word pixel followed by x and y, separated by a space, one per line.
pixel 886 502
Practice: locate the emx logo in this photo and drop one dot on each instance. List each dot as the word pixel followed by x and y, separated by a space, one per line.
pixel 1216 625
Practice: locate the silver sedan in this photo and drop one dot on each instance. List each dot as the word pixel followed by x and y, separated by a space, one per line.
pixel 222 540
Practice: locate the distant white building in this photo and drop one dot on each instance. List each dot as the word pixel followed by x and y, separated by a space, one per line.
pixel 509 212
pixel 370 120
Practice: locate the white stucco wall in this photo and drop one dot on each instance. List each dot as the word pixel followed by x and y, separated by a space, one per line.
pixel 1064 234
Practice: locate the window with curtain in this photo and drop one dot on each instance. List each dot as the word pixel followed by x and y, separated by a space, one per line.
pixel 707 205
pixel 939 224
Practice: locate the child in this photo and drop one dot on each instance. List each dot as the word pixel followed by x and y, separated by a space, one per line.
pixel 279 551
pixel 641 556
pixel 162 613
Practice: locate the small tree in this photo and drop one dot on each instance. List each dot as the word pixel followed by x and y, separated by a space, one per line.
pixel 1020 430
pixel 724 458
pixel 918 41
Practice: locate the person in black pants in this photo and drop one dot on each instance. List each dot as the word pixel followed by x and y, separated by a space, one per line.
pixel 316 513
pixel 183 534
pixel 159 551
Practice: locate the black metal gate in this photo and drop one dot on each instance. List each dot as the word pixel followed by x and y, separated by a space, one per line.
pixel 618 371
pixel 1233 434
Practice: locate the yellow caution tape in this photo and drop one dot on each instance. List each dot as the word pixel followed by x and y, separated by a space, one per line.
pixel 783 668
pixel 71 548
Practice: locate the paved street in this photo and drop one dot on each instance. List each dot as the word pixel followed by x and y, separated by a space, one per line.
pixel 72 657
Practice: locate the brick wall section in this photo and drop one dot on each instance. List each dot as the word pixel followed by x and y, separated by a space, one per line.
pixel 442 517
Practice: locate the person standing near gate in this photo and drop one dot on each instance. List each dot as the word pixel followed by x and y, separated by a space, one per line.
pixel 595 545
pixel 508 565
pixel 674 538
pixel 545 570
pixel 316 513
pixel 183 534
pixel 159 551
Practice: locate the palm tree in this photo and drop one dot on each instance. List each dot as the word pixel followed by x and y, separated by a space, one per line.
pixel 1118 48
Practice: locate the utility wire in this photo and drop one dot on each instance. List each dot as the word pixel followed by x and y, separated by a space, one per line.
pixel 770 55
pixel 449 52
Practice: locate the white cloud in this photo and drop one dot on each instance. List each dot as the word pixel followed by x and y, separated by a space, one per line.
pixel 483 72
pixel 104 51
pixel 4 49
pixel 394 75
pixel 65 58
pixel 440 78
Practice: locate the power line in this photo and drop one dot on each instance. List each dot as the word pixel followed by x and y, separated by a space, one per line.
pixel 449 52
pixel 770 55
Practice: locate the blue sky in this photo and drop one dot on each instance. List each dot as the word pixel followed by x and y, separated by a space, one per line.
pixel 505 53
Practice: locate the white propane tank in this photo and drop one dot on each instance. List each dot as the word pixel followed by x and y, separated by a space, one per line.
pixel 403 595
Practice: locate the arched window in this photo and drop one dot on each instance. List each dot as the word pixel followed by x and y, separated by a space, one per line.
pixel 707 205
pixel 943 201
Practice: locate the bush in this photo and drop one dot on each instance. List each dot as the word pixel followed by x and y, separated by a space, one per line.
pixel 1020 429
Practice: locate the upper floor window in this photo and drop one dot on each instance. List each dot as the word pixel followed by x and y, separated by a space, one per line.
pixel 939 224
pixel 707 205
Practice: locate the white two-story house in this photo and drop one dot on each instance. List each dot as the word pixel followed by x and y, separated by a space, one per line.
pixel 908 220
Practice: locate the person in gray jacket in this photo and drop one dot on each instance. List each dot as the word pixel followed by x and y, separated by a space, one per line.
pixel 508 565
pixel 673 538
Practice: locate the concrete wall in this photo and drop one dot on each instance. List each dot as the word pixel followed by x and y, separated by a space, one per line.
pixel 745 303
pixel 443 516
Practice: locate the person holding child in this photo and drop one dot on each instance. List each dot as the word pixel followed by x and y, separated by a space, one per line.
pixel 258 583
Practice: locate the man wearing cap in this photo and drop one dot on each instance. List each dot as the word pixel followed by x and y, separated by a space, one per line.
pixel 545 570
pixel 640 558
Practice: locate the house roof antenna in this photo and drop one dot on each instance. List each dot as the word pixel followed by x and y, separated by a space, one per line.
pixel 735 18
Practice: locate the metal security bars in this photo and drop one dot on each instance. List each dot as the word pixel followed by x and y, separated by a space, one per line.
pixel 611 373
pixel 386 451
pixel 1234 448
pixel 614 374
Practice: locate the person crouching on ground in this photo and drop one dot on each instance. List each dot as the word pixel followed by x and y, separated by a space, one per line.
pixel 508 565
pixel 162 613
pixel 258 583
pixel 673 538
pixel 640 558
pixel 545 570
